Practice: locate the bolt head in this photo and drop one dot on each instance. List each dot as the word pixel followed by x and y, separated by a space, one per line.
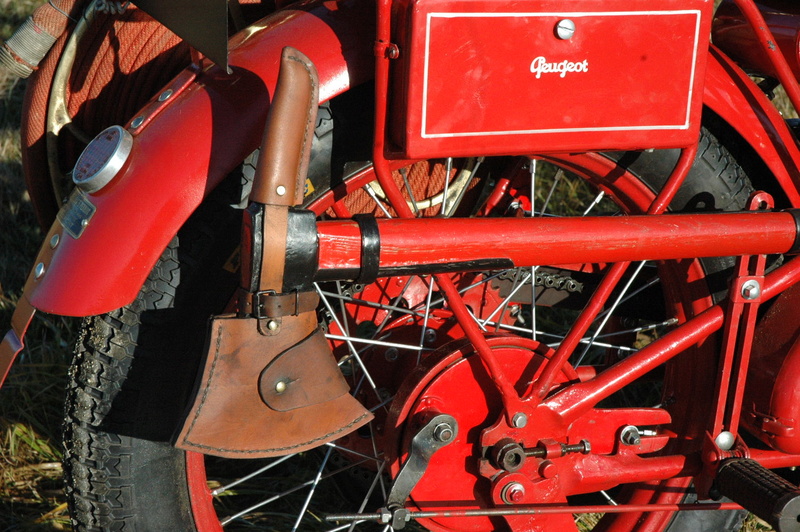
pixel 38 271
pixel 519 420
pixel 513 493
pixel 751 289
pixel 54 240
pixel 138 121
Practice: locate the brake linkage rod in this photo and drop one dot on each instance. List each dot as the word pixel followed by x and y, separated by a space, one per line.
pixel 384 517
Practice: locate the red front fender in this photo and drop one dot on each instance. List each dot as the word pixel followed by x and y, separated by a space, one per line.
pixel 185 146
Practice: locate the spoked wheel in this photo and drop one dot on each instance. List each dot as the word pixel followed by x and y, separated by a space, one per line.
pixel 407 359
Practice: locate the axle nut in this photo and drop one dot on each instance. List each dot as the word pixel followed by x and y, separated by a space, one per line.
pixel 508 455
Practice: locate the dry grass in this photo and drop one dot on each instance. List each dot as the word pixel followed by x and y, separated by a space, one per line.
pixel 31 402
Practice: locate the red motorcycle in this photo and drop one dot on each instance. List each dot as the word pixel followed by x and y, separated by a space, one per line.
pixel 427 264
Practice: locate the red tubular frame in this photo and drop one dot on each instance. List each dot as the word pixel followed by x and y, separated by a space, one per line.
pixel 439 242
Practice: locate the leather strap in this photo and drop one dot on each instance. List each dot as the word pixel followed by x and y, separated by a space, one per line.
pixel 272 305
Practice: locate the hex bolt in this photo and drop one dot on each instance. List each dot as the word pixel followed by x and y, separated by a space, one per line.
pixel 513 493
pixel 519 420
pixel 443 432
pixel 751 289
pixel 630 435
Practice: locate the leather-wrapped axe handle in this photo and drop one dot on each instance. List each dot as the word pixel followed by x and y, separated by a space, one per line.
pixel 286 146
pixel 280 175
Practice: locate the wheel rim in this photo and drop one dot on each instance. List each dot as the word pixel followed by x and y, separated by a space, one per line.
pixel 405 315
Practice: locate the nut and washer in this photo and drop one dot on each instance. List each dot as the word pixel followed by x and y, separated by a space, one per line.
pixel 443 432
pixel 513 493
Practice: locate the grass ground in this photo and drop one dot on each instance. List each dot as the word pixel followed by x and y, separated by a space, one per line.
pixel 31 497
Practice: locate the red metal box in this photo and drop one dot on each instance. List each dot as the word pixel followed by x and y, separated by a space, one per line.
pixel 484 77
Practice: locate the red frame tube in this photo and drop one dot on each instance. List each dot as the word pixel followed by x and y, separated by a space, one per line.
pixel 439 242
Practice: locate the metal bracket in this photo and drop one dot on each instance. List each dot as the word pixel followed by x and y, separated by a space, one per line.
pixel 440 431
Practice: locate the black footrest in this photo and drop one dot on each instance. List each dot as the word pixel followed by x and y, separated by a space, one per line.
pixel 761 491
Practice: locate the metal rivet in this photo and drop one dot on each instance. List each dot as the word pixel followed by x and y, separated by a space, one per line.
pixel 281 190
pixel 138 121
pixel 273 325
pixel 565 29
pixel 84 222
pixel 520 420
pixel 280 387
pixel 39 270
pixel 751 289
pixel 54 240
pixel 165 95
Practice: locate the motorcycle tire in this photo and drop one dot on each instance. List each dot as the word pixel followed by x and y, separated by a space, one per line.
pixel 133 371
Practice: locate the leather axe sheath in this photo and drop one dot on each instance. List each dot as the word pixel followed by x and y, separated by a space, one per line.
pixel 270 384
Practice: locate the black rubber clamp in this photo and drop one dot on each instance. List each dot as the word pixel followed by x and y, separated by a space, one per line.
pixel 370 248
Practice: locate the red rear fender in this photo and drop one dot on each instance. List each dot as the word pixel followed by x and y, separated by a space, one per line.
pixel 186 145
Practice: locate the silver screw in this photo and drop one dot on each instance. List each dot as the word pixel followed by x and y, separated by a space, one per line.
pixel 54 240
pixel 39 270
pixel 138 121
pixel 751 289
pixel 519 420
pixel 166 95
pixel 443 432
pixel 565 29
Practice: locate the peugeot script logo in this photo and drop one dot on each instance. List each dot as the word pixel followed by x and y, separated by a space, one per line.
pixel 540 66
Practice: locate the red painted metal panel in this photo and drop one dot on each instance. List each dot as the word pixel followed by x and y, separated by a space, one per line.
pixel 471 80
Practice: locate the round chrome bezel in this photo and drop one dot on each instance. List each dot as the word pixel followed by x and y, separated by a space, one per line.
pixel 114 145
